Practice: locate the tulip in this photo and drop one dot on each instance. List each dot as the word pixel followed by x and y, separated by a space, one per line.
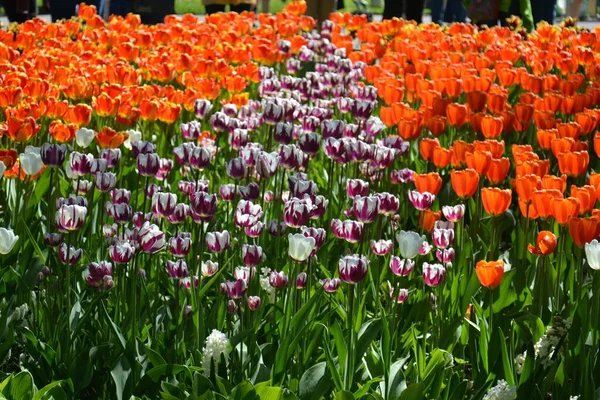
pixel 301 246
pixel 148 164
pixel 442 238
pixel 245 273
pixel 409 243
pixel 251 255
pixel 490 273
pixel 203 204
pixel 464 183
pixel 296 212
pixel 151 239
pixel 301 280
pixel 31 161
pixel 348 230
pixel 291 156
pixel 254 303
pixel 250 191
pixel 209 268
pixel 402 296
pixel 421 201
pixel 454 213
pixel 71 217
pixel 353 268
pixel 381 247
pixel 236 168
pixel 545 244
pixel 53 155
pixel 84 137
pixel 592 254
pixel 405 175
pixel 218 242
pixel 283 133
pixel 357 187
pixel 74 254
pixel 236 289
pixel 112 157
pixel 8 239
pixel 495 201
pixel 255 230
pixel 366 208
pixel 106 181
pixel 120 196
pixel 82 187
pixel 202 108
pixel 278 280
pixel 445 255
pixel 330 285
pixel 401 267
pixel 180 214
pixel 181 244
pixel 200 158
pixel 97 273
pixel 247 214
pixel 232 307
pixel 51 239
pixel 388 203
pixel 431 183
pixel 227 192
pixel 121 252
pixel 177 269
pixel 267 164
pixel 121 212
pixel 433 274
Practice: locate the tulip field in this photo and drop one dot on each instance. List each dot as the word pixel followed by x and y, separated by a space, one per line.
pixel 262 207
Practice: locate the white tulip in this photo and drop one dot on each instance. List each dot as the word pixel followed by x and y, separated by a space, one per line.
pixel 301 246
pixel 84 137
pixel 8 239
pixel 2 169
pixel 592 253
pixel 31 161
pixel 409 243
pixel 134 136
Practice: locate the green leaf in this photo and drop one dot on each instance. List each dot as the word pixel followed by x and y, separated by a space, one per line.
pixel 75 315
pixel 413 392
pixel 114 328
pixel 315 382
pixel 120 374
pixel 154 358
pixel 397 379
pixel 368 332
pixel 36 247
pixel 506 362
pixel 340 343
pixel 266 392
pixel 244 391
pixel 52 391
pixel 18 387
pixel 169 370
pixel 81 371
pixel 343 395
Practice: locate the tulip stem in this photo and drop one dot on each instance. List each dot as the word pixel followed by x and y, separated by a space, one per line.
pixel 68 268
pixel 350 356
pixel 559 268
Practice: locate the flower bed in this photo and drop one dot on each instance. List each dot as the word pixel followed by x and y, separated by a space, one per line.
pixel 251 208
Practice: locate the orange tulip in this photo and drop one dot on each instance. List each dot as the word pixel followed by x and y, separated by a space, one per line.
pixel 526 185
pixel 79 114
pixel 106 106
pixel 573 163
pixel 436 124
pixel 542 201
pixel 63 133
pixel 442 157
pixel 597 143
pixel 564 209
pixel 8 157
pixel 475 121
pixel 491 127
pixel 149 110
pixel 431 182
pixel 498 170
pixel 493 146
pixel 562 145
pixel 584 230
pixel 536 167
pixel 545 244
pixel 476 100
pixel 527 210
pixel 427 147
pixel 479 161
pixel 586 121
pixel 586 195
pixel 545 137
pixel 497 102
pixel 495 200
pixel 523 113
pixel 108 138
pixel 555 182
pixel 457 114
pixel 464 183
pixel 20 130
pixel 409 129
pixel 490 273
pixel 428 218
pixel 569 130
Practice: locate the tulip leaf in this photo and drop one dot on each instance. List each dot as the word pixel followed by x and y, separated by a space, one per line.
pixel 315 382
pixel 18 387
pixel 121 374
pixel 414 391
pixel 506 362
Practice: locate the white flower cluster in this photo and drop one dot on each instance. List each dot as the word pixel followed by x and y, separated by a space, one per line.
pixel 574 398
pixel 546 346
pixel 264 283
pixel 216 344
pixel 19 313
pixel 502 391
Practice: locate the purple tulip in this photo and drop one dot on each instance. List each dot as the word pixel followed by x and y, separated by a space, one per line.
pixel 219 121
pixel 105 181
pixel 236 168
pixel 374 126
pixel 71 217
pixel 81 186
pixel 333 129
pixel 296 212
pixel 301 280
pixel 254 303
pixel 52 239
pixel 442 238
pixel 150 238
pixel 454 213
pixel 251 255
pixel 433 274
pixel 320 204
pixel 402 296
pixel 250 191
pixel 177 269
pixel 190 130
pixel 98 165
pixel 401 266
pixel 204 204
pixel 247 214
pixel 366 208
pixel 163 204
pixel 97 272
pixel 362 110
pixel 232 307
pixel 244 273
pixel 120 196
pixel 112 157
pixel 180 214
pixel 278 280
pixel 421 201
pixel 318 234
pixel 227 192
pixel 121 212
pixel 183 152
pixel 202 108
pixel 381 247
pixel 273 113
pixel 142 147
pixel 80 164
pixel 353 268
pixel 255 230
pixel 402 176
pixel 291 156
pixel 109 230
pixel 217 242
pixel 356 187
pixel 349 230
pixel 148 164
pixel 425 248
pixel 53 155
pixel 209 268
pixel 200 158
pixel 74 254
pixel 164 169
pixel 330 285
pixel 445 256
pixel 121 252
pixel 388 203
pixel 181 244
pixel 236 289
pixel 276 227
pixel 267 164
pixel 283 133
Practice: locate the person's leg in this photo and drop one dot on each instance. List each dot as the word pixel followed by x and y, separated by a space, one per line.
pixel 214 8
pixel 575 9
pixel 460 13
pixel 393 8
pixel 436 10
pixel 543 10
pixel 241 8
pixel 326 7
pixel 62 9
pixel 264 6
pixel 414 10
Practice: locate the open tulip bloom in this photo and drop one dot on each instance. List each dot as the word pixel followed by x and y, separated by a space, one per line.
pixel 248 203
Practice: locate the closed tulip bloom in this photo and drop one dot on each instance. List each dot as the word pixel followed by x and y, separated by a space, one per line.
pixel 381 247
pixel 105 181
pixel 592 254
pixel 495 200
pixel 409 243
pixel 431 182
pixel 464 183
pixel 84 137
pixel 247 214
pixel 353 268
pixel 491 126
pixel 405 175
pixel 181 244
pixel 349 230
pixel 330 285
pixel 454 213
pixel 442 238
pixel 318 234
pixel 251 255
pixel 490 273
pixel 565 209
pixel 498 170
pixel 245 273
pixel 296 212
pixel 433 274
pixel 526 186
pixel 180 214
pixel 71 217
pixel 401 266
pixel 232 306
pixel 545 244
pixel 51 239
pixel 291 156
pixel 255 230
pixel 227 192
pixel 150 238
pixel 388 203
pixel 445 256
pixel 250 191
pixel 267 164
pixel 31 161
pixel 573 163
pixel 121 212
pixel 204 204
pixel 8 239
pixel 202 108
pixel 301 280
pixel 236 168
pixel 112 157
pixel 121 252
pixel 200 158
pixel 254 303
pixel 148 164
pixel 234 290
pixel 97 273
pixel 300 246
pixel 584 230
pixel 479 161
pixel 356 187
pixel 427 147
pixel 366 208
pixel 74 254
pixel 177 269
pixel 421 201
pixel 218 242
pixel 163 204
pixel 209 268
pixel 278 280
pixel 120 196
pixel 53 155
